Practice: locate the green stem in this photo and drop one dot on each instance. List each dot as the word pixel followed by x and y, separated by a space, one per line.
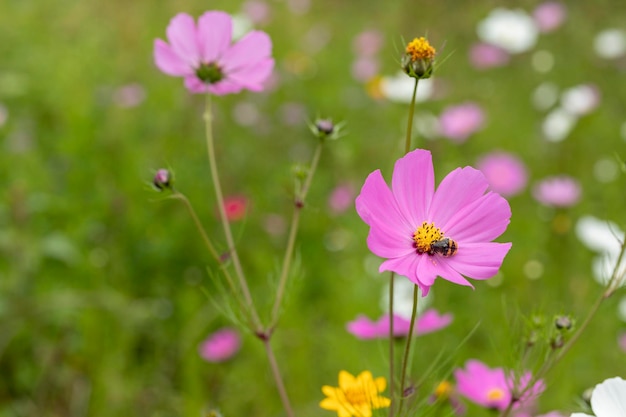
pixel 407 348
pixel 225 224
pixel 409 128
pixel 392 383
pixel 280 385
pixel 291 241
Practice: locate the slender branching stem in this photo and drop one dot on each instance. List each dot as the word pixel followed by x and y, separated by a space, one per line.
pixel 291 240
pixel 392 378
pixel 232 251
pixel 280 385
pixel 409 127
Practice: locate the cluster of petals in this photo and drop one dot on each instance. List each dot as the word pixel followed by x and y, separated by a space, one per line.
pixel 608 399
pixel 549 16
pixel 221 345
pixel 493 388
pixel 246 64
pixel 459 122
pixel 557 191
pixel 461 208
pixel 427 322
pixel 355 396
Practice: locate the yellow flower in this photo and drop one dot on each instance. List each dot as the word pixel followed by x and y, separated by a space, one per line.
pixel 355 397
pixel 418 58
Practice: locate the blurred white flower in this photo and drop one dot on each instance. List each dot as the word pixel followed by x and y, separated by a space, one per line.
pixel 608 399
pixel 581 99
pixel 605 238
pixel 610 43
pixel 403 298
pixel 399 88
pixel 512 30
pixel 558 124
pixel 545 96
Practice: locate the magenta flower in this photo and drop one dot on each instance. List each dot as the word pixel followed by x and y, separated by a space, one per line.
pixel 221 345
pixel 458 123
pixel 484 56
pixel 492 388
pixel 549 16
pixel 425 233
pixel 505 172
pixel 559 191
pixel 235 207
pixel 204 56
pixel 341 198
pixel 430 321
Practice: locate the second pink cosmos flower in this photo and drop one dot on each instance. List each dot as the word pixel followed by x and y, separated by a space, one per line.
pixel 203 55
pixel 460 218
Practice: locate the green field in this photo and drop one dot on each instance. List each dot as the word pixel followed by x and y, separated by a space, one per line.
pixel 106 288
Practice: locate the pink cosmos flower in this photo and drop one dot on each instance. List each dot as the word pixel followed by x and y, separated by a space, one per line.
pixel 221 345
pixel 549 15
pixel 458 123
pixel 558 191
pixel 235 207
pixel 425 233
pixel 484 56
pixel 492 388
pixel 204 56
pixel 341 198
pixel 430 321
pixel 505 172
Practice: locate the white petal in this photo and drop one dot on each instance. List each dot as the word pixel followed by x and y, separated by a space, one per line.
pixel 609 398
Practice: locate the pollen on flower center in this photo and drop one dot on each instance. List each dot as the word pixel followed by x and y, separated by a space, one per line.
pixel 419 48
pixel 495 394
pixel 209 73
pixel 425 235
pixel 356 396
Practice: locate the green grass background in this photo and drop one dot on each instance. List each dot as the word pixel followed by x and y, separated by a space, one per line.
pixel 103 283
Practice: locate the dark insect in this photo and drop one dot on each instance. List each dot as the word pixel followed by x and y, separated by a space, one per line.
pixel 445 247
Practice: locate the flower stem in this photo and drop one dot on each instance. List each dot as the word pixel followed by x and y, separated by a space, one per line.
pixel 291 241
pixel 407 348
pixel 409 128
pixel 280 385
pixel 208 118
pixel 392 383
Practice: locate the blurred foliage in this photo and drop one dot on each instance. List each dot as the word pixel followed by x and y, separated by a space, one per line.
pixel 103 281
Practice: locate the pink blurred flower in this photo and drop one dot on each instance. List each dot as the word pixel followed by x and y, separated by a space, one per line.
pixel 621 341
pixel 408 219
pixel 204 56
pixel 257 11
pixel 365 68
pixel 221 345
pixel 549 15
pixel 484 55
pixel 505 172
pixel 129 95
pixel 235 207
pixel 492 388
pixel 367 43
pixel 341 198
pixel 558 191
pixel 458 122
pixel 428 322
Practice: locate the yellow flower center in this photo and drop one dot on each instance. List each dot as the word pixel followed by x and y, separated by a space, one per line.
pixel 443 390
pixel 425 235
pixel 419 48
pixel 357 396
pixel 495 394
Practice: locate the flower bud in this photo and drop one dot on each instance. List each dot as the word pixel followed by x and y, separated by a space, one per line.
pixel 563 322
pixel 326 129
pixel 162 179
pixel 417 62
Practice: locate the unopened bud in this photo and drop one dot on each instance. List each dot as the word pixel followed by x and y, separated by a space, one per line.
pixel 557 341
pixel 418 59
pixel 563 322
pixel 162 179
pixel 326 129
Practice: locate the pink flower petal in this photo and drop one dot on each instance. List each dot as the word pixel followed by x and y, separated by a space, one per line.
pixel 479 260
pixel 256 46
pixel 405 265
pixel 224 87
pixel 195 85
pixel 430 321
pixel 214 35
pixel 459 188
pixel 413 184
pixel 254 76
pixel 363 328
pixel 482 220
pixel 450 274
pixel 168 61
pixel 181 33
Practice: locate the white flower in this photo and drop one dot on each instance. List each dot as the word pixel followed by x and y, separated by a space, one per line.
pixel 512 30
pixel 558 124
pixel 608 399
pixel 399 88
pixel 581 99
pixel 610 43
pixel 605 238
pixel 403 298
